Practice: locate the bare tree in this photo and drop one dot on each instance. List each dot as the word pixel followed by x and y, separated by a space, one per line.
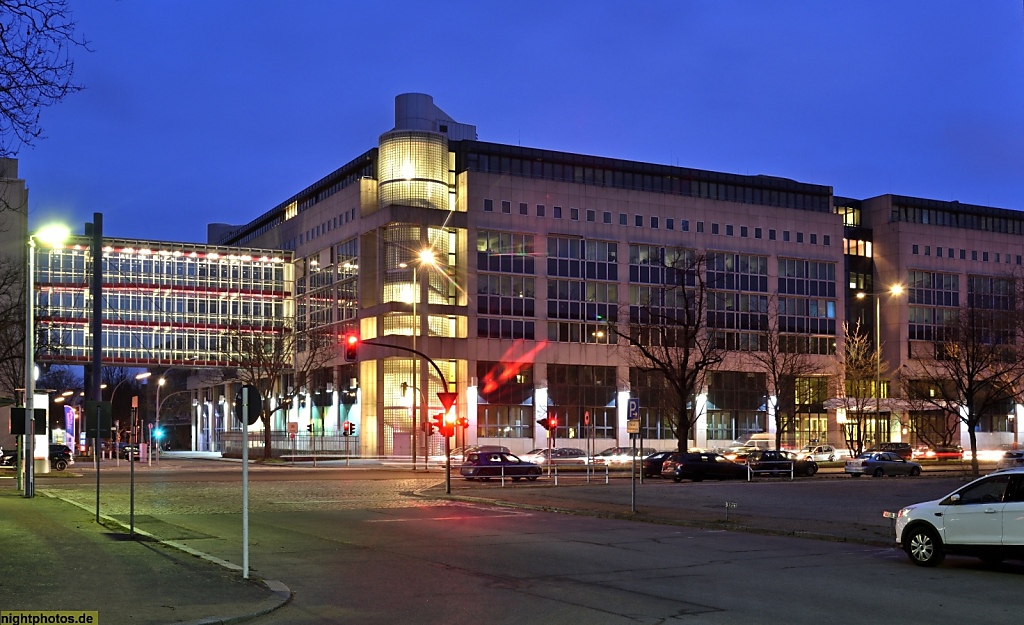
pixel 12 329
pixel 783 358
pixel 976 368
pixel 264 358
pixel 668 332
pixel 861 370
pixel 36 69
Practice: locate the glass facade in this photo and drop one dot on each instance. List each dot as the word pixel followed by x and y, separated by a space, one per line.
pixel 163 303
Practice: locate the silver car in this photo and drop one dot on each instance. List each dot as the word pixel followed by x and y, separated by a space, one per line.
pixel 1011 459
pixel 818 453
pixel 880 463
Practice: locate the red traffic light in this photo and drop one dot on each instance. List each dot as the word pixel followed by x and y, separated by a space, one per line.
pixel 348 428
pixel 351 341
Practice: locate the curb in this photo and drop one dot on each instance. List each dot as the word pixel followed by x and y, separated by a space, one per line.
pixel 281 594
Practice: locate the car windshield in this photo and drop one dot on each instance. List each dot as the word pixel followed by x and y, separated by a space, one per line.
pixel 867 455
pixel 512 458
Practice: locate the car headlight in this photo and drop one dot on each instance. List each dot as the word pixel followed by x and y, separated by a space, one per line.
pixel 904 512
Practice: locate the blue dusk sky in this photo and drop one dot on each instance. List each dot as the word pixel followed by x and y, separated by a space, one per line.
pixel 198 111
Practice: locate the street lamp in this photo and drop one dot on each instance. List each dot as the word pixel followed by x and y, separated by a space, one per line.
pixel 54 236
pixel 424 258
pixel 894 291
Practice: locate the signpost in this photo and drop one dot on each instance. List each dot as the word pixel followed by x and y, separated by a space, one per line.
pixel 633 428
pixel 248 407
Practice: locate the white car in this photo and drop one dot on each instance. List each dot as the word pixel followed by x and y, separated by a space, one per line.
pixel 558 455
pixel 984 518
pixel 622 455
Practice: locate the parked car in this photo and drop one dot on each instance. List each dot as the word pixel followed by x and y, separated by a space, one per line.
pixel 1011 459
pixel 770 462
pixel 459 453
pixel 702 466
pixel 980 519
pixel 487 464
pixel 622 455
pixel 61 457
pixel 128 452
pixel 819 453
pixel 8 457
pixel 880 463
pixel 651 466
pixel 952 452
pixel 903 450
pixel 559 456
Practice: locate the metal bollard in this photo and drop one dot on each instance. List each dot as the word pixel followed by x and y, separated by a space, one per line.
pixel 503 476
pixel 556 475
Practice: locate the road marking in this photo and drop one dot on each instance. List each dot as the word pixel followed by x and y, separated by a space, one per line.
pixel 444 518
pixel 487 514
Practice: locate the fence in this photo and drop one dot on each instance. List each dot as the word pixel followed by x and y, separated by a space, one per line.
pixel 284 444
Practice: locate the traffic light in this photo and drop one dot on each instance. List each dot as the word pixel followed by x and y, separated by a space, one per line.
pixel 428 428
pixel 462 422
pixel 309 428
pixel 437 422
pixel 351 341
pixel 545 423
pixel 346 428
pixel 158 433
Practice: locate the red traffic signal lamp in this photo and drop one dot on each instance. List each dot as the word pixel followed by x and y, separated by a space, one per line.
pixel 351 344
pixel 437 423
pixel 462 422
pixel 348 428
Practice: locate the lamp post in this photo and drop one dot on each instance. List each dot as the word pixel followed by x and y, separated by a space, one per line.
pixel 425 257
pixel 54 235
pixel 894 290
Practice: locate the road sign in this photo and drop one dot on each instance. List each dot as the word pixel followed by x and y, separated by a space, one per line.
pixel 447 400
pixel 633 409
pixel 255 404
pixel 633 426
pixel 293 427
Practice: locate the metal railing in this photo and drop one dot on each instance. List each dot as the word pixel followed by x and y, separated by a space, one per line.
pixel 284 444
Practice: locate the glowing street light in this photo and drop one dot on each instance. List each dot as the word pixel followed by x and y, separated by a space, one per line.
pixel 53 236
pixel 894 291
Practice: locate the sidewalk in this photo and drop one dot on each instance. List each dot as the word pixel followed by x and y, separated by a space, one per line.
pixel 54 556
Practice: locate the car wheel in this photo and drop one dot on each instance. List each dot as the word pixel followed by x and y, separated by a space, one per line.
pixel 923 546
pixel 879 472
pixel 60 465
pixel 532 478
pixel 811 470
pixel 914 472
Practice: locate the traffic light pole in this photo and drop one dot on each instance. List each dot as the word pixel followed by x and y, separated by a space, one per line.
pixel 448 465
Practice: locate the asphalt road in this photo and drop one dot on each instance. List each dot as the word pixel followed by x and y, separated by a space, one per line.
pixel 358 548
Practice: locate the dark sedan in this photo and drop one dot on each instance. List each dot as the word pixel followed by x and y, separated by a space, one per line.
pixel 487 464
pixel 651 465
pixel 771 462
pixel 704 466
